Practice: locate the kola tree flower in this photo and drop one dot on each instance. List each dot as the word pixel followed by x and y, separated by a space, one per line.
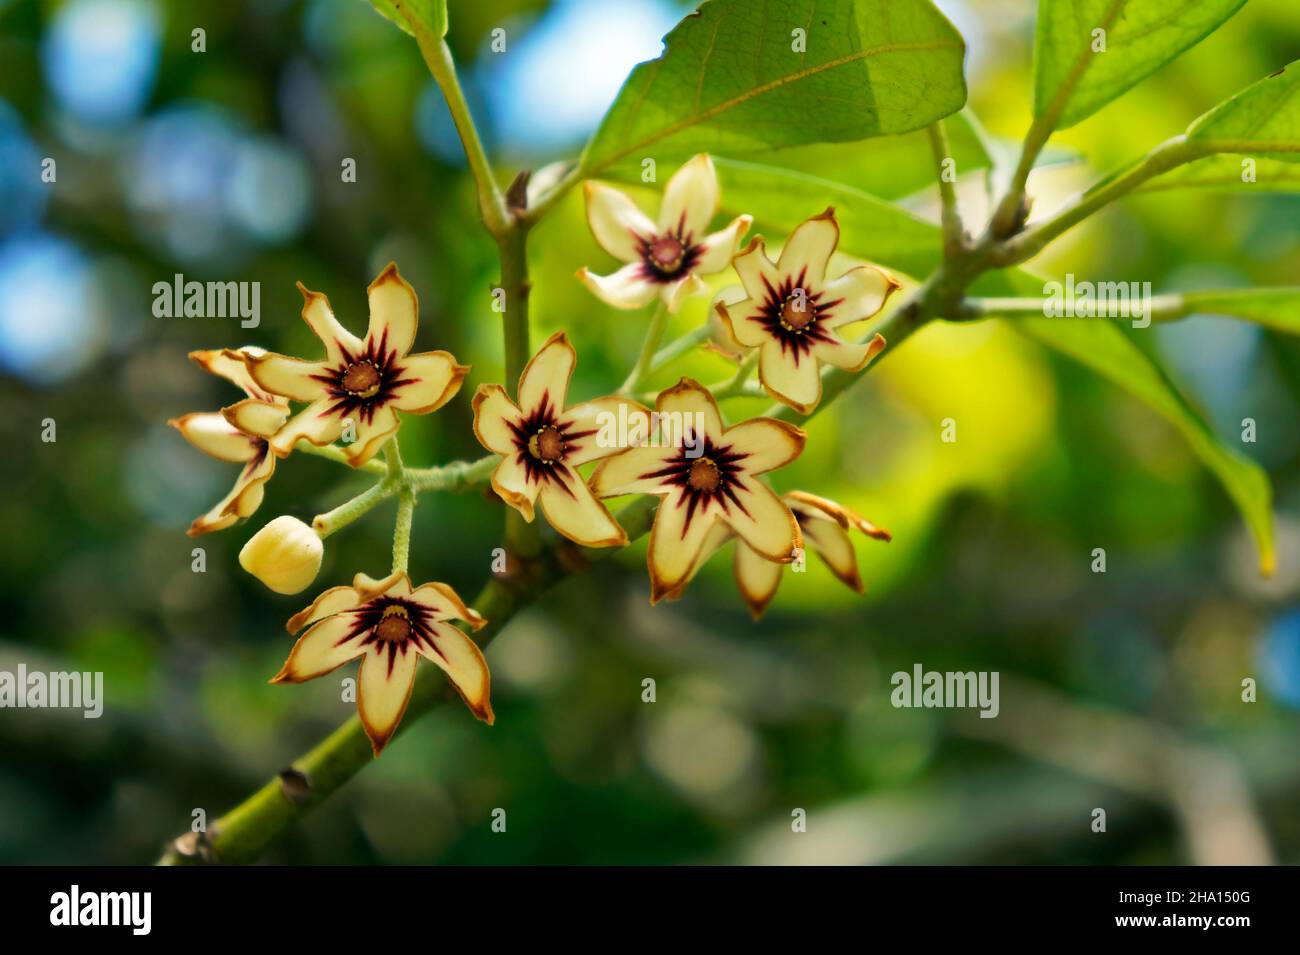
pixel 792 311
pixel 825 527
pixel 543 443
pixel 239 433
pixel 664 258
pixel 389 625
pixel 360 385
pixel 285 555
pixel 706 474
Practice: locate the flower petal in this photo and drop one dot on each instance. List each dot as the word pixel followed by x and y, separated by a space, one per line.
pixel 676 544
pixel 719 248
pixel 757 578
pixel 801 502
pixel 796 383
pixel 626 472
pixel 510 481
pixel 691 197
pixel 394 311
pixel 545 378
pixel 372 433
pixel 862 293
pixel 460 658
pixel 494 416
pixel 571 509
pixel 601 427
pixel 833 544
pixel 327 603
pixel 626 288
pixel 315 423
pixel 744 323
pixel 851 356
pixel 291 377
pixel 616 222
pixel 688 404
pixel 244 498
pixel 768 442
pixel 212 434
pixel 446 604
pixel 326 646
pixel 229 363
pixel 755 269
pixel 318 315
pixel 426 381
pixel 808 250
pixel 384 688
pixel 718 536
pixel 764 522
pixel 257 417
pixel 674 293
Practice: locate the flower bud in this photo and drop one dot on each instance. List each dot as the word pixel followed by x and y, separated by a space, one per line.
pixel 285 555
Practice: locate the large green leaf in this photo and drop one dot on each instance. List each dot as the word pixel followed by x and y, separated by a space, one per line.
pixel 415 16
pixel 1071 81
pixel 1262 120
pixel 730 82
pixel 1101 346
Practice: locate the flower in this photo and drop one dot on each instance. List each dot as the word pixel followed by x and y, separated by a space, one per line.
pixel 825 526
pixel 543 444
pixel 285 555
pixel 705 473
pixel 361 383
pixel 237 433
pixel 665 258
pixel 792 311
pixel 388 624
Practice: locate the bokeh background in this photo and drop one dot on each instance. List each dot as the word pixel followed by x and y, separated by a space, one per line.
pixel 1119 690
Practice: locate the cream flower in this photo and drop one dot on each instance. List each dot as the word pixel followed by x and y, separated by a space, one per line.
pixel 706 474
pixel 665 258
pixel 543 443
pixel 825 526
pixel 285 555
pixel 238 433
pixel 359 382
pixel 793 310
pixel 389 625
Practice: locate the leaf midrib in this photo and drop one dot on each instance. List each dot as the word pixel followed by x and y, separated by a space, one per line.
pixel 759 91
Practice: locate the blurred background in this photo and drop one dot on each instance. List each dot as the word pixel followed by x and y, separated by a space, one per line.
pixel 1119 690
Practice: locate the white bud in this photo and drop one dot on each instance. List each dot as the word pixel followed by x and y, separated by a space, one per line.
pixel 285 555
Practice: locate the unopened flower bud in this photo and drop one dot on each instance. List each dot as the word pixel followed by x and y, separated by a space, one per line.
pixel 285 555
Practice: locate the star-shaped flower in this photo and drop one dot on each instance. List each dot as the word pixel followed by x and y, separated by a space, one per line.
pixel 543 443
pixel 361 383
pixel 825 526
pixel 793 310
pixel 389 625
pixel 238 433
pixel 665 258
pixel 706 474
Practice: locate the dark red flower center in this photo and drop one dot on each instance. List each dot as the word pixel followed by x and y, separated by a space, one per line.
pixel 547 444
pixel 795 315
pixel 704 476
pixel 668 256
pixel 361 379
pixel 363 383
pixel 394 626
pixel 713 476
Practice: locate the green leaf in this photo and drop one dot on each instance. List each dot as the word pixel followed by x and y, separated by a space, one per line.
pixel 1262 120
pixel 1071 81
pixel 1105 349
pixel 1275 308
pixel 731 81
pixel 1229 173
pixel 416 16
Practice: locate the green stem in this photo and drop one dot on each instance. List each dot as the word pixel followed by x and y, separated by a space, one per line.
pixel 492 205
pixel 454 477
pixel 654 333
pixel 1168 155
pixel 402 531
pixel 347 512
pixel 678 347
pixel 954 236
